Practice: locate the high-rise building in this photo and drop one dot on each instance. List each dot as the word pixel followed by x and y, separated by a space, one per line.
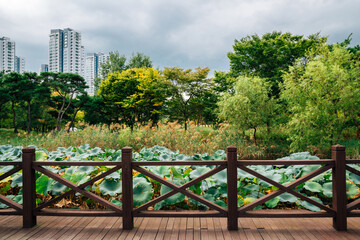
pixel 19 64
pixel 44 68
pixel 65 51
pixel 7 54
pixel 93 69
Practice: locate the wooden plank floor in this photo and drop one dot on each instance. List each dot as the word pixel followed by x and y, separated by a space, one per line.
pixel 175 228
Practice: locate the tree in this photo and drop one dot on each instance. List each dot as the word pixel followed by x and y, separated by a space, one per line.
pixel 323 96
pixel 34 91
pixel 249 106
pixel 64 86
pixel 13 87
pixel 116 63
pixel 187 87
pixel 134 95
pixel 139 60
pixel 268 56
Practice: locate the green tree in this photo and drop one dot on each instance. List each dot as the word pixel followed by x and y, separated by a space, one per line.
pixel 268 56
pixel 13 87
pixel 323 96
pixel 249 106
pixel 139 60
pixel 35 92
pixel 134 95
pixel 116 63
pixel 65 86
pixel 187 89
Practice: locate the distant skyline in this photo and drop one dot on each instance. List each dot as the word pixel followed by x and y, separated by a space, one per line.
pixel 187 34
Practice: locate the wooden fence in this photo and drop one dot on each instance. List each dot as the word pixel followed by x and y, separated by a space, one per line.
pixel 339 212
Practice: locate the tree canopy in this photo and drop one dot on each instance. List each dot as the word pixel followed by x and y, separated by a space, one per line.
pixel 268 56
pixel 323 96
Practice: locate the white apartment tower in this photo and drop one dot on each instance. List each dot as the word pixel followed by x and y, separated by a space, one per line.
pixel 93 69
pixel 7 54
pixel 65 51
pixel 19 64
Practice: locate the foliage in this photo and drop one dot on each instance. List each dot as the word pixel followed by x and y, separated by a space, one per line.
pixel 213 188
pixel 189 89
pixel 65 87
pixel 249 106
pixel 135 95
pixel 269 55
pixel 323 96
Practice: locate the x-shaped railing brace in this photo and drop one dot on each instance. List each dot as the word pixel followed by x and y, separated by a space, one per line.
pixel 5 200
pixel 180 189
pixel 355 204
pixel 288 188
pixel 78 188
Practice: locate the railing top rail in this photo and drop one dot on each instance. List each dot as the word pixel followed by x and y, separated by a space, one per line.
pixel 177 163
pixel 286 162
pixel 77 163
pixel 353 161
pixel 2 163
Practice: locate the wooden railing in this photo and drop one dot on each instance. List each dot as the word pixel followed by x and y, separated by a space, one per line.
pixel 339 211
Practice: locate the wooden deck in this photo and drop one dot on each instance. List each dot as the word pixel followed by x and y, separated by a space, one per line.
pixel 175 228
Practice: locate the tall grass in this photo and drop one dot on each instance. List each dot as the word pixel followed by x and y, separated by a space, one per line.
pixel 197 139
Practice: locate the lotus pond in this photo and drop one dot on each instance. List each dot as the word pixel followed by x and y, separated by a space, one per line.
pixel 213 188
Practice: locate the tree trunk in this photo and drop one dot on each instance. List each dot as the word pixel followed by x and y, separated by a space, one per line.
pixel 29 118
pixel 58 126
pixel 72 120
pixel 255 136
pixel 14 116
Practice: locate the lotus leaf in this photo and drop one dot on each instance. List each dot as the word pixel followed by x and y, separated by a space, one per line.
pixel 354 178
pixel 309 168
pixel 220 177
pixel 198 172
pixel 116 202
pixel 142 191
pixel 251 188
pixel 42 184
pixel 352 191
pixel 58 188
pixel 86 169
pixel 110 187
pixel 313 186
pixel 287 197
pixel 272 202
pixel 114 175
pixel 327 189
pixel 248 200
pixel 176 198
pixel 310 206
pixel 16 180
pixel 40 156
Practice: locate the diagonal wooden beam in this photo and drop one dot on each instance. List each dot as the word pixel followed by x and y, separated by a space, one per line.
pixel 82 186
pixel 11 203
pixel 73 186
pixel 353 170
pixel 181 190
pixel 353 205
pixel 185 186
pixel 11 172
pixel 287 188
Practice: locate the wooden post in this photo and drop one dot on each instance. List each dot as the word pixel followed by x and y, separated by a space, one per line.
pixel 29 194
pixel 339 187
pixel 127 188
pixel 231 157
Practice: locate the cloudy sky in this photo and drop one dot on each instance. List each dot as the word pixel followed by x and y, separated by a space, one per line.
pixel 185 33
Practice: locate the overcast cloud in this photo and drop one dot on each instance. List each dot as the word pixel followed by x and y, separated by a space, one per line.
pixel 183 33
